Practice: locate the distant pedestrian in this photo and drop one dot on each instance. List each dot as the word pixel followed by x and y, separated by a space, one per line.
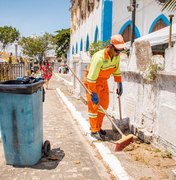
pixel 60 69
pixel 47 72
pixel 10 58
pixel 21 60
pixel 66 69
pixel 37 72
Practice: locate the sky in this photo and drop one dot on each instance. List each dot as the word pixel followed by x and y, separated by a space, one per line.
pixel 35 16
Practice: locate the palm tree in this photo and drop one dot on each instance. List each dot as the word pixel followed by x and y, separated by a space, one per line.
pixel 170 5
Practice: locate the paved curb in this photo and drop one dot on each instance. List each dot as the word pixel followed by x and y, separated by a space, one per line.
pixel 111 160
pixel 65 81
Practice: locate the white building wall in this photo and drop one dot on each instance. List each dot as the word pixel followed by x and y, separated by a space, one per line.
pixel 151 107
pixel 87 28
pixel 80 60
pixel 120 15
pixel 146 12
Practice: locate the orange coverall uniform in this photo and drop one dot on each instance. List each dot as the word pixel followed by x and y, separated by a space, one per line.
pixel 97 73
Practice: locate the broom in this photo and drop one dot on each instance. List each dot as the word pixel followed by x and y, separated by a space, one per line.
pixel 123 124
pixel 125 139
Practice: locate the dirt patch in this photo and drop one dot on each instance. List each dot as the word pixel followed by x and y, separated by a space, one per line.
pixel 141 161
pixel 160 162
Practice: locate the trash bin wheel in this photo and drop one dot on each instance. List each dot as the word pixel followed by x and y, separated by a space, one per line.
pixel 46 148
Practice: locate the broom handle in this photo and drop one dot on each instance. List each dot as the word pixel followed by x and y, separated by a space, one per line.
pixel 120 111
pixel 79 80
pixel 119 101
pixel 98 104
pixel 107 115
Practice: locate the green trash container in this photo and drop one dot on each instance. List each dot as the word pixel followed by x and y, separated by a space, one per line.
pixel 21 120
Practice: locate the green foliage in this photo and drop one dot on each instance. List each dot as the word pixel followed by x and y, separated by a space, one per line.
pixel 153 69
pixel 126 51
pixel 96 46
pixel 62 41
pixel 8 35
pixel 36 46
pixel 170 5
pixel 166 154
pixel 47 42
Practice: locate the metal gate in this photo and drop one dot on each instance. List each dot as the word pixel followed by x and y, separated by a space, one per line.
pixel 11 71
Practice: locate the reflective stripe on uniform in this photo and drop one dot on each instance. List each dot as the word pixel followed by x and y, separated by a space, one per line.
pixel 101 111
pixel 92 115
pixel 108 67
pixel 90 80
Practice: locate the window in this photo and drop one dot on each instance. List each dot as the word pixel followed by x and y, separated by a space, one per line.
pixel 96 35
pixel 87 43
pixel 125 31
pixel 76 48
pixel 81 45
pixel 160 22
pixel 127 34
pixel 73 50
pixel 159 25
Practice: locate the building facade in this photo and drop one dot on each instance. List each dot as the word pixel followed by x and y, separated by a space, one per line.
pixel 146 104
pixel 93 20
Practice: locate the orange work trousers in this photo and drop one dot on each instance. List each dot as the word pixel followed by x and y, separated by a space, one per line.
pixel 96 115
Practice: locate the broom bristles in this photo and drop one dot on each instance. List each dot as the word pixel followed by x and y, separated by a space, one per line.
pixel 123 142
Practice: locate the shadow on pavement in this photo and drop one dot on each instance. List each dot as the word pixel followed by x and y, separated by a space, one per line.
pixel 52 161
pixel 115 135
pixel 112 135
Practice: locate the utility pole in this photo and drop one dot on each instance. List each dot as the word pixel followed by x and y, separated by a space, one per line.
pixel 170 31
pixel 133 9
pixel 16 49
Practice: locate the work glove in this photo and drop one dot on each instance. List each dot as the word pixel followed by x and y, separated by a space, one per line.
pixel 94 98
pixel 119 89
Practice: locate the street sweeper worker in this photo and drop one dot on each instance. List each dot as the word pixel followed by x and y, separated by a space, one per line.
pixel 103 63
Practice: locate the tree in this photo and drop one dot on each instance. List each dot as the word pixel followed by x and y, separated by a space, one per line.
pixel 62 41
pixel 8 35
pixel 96 46
pixel 168 4
pixel 36 46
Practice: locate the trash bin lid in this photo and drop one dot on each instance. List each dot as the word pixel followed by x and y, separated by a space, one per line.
pixel 17 87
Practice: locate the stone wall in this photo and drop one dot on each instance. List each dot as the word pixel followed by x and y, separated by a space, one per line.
pixel 79 65
pixel 150 105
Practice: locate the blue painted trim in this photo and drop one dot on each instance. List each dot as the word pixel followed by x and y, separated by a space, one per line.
pixel 160 17
pixel 87 43
pixel 106 0
pixel 73 49
pixel 106 24
pixel 137 33
pixel 76 48
pixel 68 54
pixel 81 45
pixel 96 36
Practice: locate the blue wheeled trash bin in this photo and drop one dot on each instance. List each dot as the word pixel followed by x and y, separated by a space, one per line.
pixel 21 120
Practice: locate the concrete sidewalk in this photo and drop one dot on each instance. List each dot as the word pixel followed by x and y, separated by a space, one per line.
pixel 137 161
pixel 77 155
pixel 74 157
